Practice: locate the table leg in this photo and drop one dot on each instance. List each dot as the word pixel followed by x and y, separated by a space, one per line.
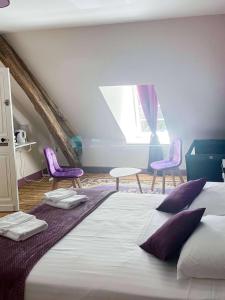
pixel 139 184
pixel 117 183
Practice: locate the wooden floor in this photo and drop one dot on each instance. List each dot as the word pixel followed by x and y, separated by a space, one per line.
pixel 32 193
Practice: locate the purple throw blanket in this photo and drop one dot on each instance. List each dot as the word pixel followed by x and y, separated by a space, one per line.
pixel 18 258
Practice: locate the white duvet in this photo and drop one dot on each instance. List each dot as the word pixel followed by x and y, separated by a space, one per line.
pixel 100 259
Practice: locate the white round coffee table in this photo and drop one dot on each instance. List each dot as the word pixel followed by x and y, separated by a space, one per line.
pixel 121 172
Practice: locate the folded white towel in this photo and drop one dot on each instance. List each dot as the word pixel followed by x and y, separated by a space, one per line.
pixel 14 219
pixel 20 226
pixel 60 194
pixel 67 203
pixel 25 230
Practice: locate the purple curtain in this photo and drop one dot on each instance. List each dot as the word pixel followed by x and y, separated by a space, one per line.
pixel 149 102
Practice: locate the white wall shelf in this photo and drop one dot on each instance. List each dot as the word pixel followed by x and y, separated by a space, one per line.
pixel 29 144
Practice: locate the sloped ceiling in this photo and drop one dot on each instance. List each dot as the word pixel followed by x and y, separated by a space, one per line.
pixel 184 58
pixel 33 14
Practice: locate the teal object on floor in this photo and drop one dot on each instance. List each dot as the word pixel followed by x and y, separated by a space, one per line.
pixel 76 143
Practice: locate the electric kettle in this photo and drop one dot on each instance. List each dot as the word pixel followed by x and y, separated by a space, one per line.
pixel 20 136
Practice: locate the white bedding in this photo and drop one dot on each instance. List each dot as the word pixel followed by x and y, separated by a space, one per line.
pixel 100 259
pixel 213 198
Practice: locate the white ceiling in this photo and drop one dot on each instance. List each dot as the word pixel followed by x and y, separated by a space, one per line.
pixel 36 14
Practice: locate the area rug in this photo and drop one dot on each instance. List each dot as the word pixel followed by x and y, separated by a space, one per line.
pixel 132 188
pixel 127 184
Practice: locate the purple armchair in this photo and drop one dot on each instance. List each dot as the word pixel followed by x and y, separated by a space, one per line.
pixel 172 164
pixel 58 173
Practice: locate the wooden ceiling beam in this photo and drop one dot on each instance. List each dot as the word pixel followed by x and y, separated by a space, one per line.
pixel 43 104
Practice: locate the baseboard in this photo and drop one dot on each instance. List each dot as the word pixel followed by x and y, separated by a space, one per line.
pixel 96 169
pixel 34 176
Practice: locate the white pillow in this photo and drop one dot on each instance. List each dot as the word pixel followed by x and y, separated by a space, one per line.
pixel 212 198
pixel 203 255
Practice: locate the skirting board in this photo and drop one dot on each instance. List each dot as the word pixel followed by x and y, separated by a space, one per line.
pixel 35 176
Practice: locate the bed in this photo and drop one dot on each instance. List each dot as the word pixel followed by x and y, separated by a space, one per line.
pixel 100 259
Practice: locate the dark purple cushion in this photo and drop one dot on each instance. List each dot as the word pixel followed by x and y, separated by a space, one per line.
pixel 182 196
pixel 167 241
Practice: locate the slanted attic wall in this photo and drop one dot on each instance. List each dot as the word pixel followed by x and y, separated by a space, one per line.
pixel 24 114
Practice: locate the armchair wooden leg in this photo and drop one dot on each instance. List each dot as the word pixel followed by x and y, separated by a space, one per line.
pixel 78 183
pixel 54 184
pixel 153 180
pixel 74 183
pixel 163 182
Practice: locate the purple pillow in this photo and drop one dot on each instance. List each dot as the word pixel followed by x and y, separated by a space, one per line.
pixel 166 242
pixel 182 196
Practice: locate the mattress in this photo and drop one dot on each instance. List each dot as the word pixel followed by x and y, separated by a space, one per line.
pixel 100 259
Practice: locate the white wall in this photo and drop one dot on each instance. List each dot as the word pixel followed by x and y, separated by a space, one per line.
pixel 24 115
pixel 28 162
pixel 183 58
